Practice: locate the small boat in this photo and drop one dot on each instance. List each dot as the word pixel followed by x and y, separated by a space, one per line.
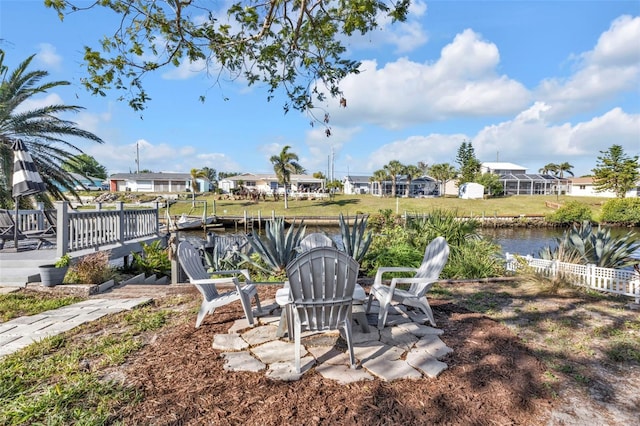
pixel 192 222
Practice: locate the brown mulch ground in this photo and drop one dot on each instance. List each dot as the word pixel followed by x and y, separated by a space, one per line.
pixel 492 379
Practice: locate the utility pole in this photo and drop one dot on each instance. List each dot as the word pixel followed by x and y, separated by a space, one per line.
pixel 333 159
pixel 138 157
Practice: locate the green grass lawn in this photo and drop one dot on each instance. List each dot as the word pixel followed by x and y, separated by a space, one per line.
pixel 355 204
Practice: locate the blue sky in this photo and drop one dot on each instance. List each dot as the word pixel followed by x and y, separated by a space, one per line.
pixel 527 82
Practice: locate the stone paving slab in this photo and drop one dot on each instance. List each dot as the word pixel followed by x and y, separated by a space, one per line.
pixel 406 348
pixel 20 332
pixel 242 361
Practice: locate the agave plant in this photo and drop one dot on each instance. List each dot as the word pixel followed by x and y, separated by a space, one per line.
pixel 596 246
pixel 216 261
pixel 277 248
pixel 356 240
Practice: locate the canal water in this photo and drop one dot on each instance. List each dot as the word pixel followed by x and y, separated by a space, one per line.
pixel 521 241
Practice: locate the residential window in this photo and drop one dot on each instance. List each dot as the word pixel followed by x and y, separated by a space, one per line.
pixel 583 187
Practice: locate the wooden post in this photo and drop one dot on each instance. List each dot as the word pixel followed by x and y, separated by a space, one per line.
pixel 121 227
pixel 62 231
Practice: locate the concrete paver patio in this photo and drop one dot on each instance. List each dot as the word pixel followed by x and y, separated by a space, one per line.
pixel 405 348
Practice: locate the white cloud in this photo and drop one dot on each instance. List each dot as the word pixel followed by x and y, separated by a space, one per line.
pixel 528 140
pixel 431 149
pixel 612 67
pixel 33 103
pixel 91 122
pixel 531 141
pixel 48 57
pixel 321 147
pixel 462 83
pixel 186 69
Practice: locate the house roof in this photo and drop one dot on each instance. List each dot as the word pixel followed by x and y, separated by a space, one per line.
pixel 272 177
pixel 502 166
pixel 530 177
pixel 358 179
pixel 582 180
pixel 150 176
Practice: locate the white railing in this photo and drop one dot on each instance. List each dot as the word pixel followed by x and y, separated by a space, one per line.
pixel 617 281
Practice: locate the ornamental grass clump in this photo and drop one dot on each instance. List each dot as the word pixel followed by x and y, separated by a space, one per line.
pixel 91 269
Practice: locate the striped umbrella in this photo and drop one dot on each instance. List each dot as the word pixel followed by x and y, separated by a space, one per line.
pixel 26 179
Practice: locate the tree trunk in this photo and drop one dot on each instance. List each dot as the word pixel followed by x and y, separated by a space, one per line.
pixel 286 198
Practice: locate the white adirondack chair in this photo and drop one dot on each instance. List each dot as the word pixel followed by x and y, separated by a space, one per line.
pixel 321 282
pixel 191 262
pixel 435 258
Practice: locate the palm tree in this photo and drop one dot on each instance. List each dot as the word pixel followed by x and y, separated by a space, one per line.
pixel 393 169
pixel 379 176
pixel 195 175
pixel 284 165
pixel 411 171
pixel 211 174
pixel 563 167
pixel 424 167
pixel 42 131
pixel 443 173
pixel 549 168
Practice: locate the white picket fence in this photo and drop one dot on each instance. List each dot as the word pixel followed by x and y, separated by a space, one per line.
pixel 618 281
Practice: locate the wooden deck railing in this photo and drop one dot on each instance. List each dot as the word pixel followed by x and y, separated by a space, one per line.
pixel 92 229
pixel 79 230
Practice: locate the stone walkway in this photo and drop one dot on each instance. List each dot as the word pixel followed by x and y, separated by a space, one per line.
pixel 23 331
pixel 405 348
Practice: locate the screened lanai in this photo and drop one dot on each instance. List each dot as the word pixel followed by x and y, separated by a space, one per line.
pixel 532 184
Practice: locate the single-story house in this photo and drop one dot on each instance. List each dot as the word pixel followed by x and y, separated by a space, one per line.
pixel 356 184
pixel 156 182
pixel 268 183
pixel 584 187
pixel 418 187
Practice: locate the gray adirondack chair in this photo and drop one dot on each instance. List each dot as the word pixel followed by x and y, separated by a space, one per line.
pixel 321 282
pixel 8 228
pixel 435 258
pixel 313 240
pixel 191 262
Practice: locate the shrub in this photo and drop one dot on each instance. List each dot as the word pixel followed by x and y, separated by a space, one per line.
pixel 384 219
pixel 572 212
pixel 476 258
pixel 441 223
pixel 91 269
pixel 153 260
pixel 622 211
pixel 399 254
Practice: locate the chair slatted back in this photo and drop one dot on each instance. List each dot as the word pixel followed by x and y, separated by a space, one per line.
pixel 52 218
pixel 314 240
pixel 191 262
pixel 435 258
pixel 6 221
pixel 321 282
